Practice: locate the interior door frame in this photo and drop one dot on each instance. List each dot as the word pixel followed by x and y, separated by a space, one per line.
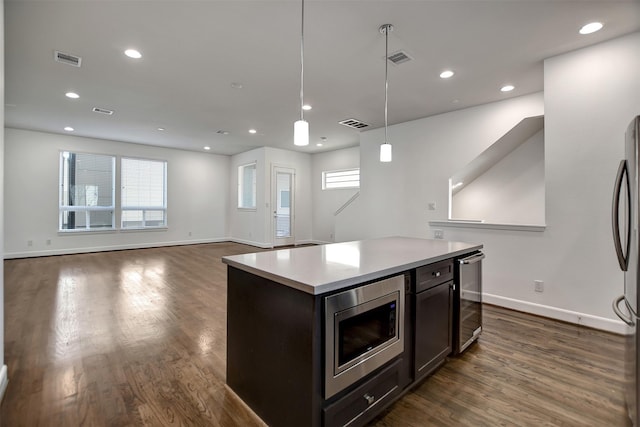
pixel 290 240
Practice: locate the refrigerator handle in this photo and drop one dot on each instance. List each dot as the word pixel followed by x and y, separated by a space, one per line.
pixel 615 211
pixel 628 320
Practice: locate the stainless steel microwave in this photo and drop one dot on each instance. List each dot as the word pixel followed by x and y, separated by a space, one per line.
pixel 364 329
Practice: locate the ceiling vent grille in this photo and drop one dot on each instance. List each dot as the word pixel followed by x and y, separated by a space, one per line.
pixel 102 111
pixel 399 57
pixel 67 58
pixel 353 123
pixel 223 132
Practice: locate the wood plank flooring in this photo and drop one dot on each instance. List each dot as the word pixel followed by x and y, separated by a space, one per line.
pixel 138 338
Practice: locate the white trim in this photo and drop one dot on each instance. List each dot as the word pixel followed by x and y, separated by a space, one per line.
pixel 262 245
pixel 601 323
pixel 486 225
pixel 311 242
pixel 71 251
pixel 4 381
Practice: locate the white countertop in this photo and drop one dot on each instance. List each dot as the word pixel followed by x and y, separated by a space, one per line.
pixel 326 268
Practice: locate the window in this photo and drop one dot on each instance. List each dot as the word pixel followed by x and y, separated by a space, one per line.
pixel 144 193
pixel 348 178
pixel 87 185
pixel 247 186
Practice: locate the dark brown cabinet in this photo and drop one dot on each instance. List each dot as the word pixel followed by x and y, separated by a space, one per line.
pixel 433 312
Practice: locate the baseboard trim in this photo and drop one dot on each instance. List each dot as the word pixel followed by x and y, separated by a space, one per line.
pixel 596 322
pixel 71 251
pixel 310 242
pixel 4 381
pixel 262 245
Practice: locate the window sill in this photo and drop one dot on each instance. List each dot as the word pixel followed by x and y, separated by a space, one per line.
pixel 485 225
pixel 134 229
pixel 248 209
pixel 85 231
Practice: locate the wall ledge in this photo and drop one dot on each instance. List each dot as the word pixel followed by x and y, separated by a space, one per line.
pixel 487 225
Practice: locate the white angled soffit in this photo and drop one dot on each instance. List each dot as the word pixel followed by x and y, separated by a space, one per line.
pixel 511 140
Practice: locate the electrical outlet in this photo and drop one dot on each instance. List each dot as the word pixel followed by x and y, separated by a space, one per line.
pixel 538 285
pixel 29 242
pixel 48 242
pixel 189 234
pixel 431 206
pixel 438 234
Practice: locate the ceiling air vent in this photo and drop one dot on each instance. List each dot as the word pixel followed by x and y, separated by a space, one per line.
pixel 399 57
pixel 353 123
pixel 102 111
pixel 67 58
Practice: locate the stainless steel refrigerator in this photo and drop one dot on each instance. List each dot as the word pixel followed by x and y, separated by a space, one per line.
pixel 625 236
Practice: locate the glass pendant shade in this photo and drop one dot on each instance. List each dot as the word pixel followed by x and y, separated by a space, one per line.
pixel 301 133
pixel 385 152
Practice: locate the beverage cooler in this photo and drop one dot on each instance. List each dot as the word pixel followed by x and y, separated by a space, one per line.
pixel 467 307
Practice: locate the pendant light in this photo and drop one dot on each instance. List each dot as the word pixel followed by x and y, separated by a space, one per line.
pixel 385 148
pixel 301 127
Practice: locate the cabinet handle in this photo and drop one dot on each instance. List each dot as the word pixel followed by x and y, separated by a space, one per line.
pixel 436 273
pixel 370 399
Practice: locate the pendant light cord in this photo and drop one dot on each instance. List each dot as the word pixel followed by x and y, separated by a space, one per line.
pixel 302 65
pixel 386 82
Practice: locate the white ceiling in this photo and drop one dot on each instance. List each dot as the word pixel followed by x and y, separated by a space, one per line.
pixel 194 50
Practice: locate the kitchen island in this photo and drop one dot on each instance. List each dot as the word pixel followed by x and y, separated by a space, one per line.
pixel 286 359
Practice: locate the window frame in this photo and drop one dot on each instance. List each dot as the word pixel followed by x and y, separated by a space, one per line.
pixel 338 172
pixel 124 208
pixel 241 187
pixel 63 187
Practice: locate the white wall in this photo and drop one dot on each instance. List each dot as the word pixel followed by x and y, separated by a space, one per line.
pixel 197 190
pixel 426 153
pixel 326 202
pixel 511 192
pixel 254 227
pixel 590 97
pixel 3 367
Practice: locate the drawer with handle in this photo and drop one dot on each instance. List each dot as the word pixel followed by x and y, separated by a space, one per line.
pixel 357 407
pixel 432 275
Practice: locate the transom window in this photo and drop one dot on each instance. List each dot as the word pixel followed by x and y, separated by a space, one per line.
pixel 346 178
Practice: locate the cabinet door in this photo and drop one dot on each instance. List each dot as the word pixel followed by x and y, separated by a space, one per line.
pixel 433 327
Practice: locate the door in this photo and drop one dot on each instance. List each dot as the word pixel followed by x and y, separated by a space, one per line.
pixel 625 236
pixel 282 201
pixel 433 310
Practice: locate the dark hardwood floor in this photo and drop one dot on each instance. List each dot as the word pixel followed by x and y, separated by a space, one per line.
pixel 137 338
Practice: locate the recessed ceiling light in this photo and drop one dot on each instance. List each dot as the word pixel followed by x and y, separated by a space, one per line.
pixel 306 107
pixel 319 144
pixel 72 95
pixel 132 53
pixel 161 129
pixel 69 129
pixel 207 148
pixel 507 88
pixel 252 131
pixel 591 28
pixel 236 85
pixel 446 74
